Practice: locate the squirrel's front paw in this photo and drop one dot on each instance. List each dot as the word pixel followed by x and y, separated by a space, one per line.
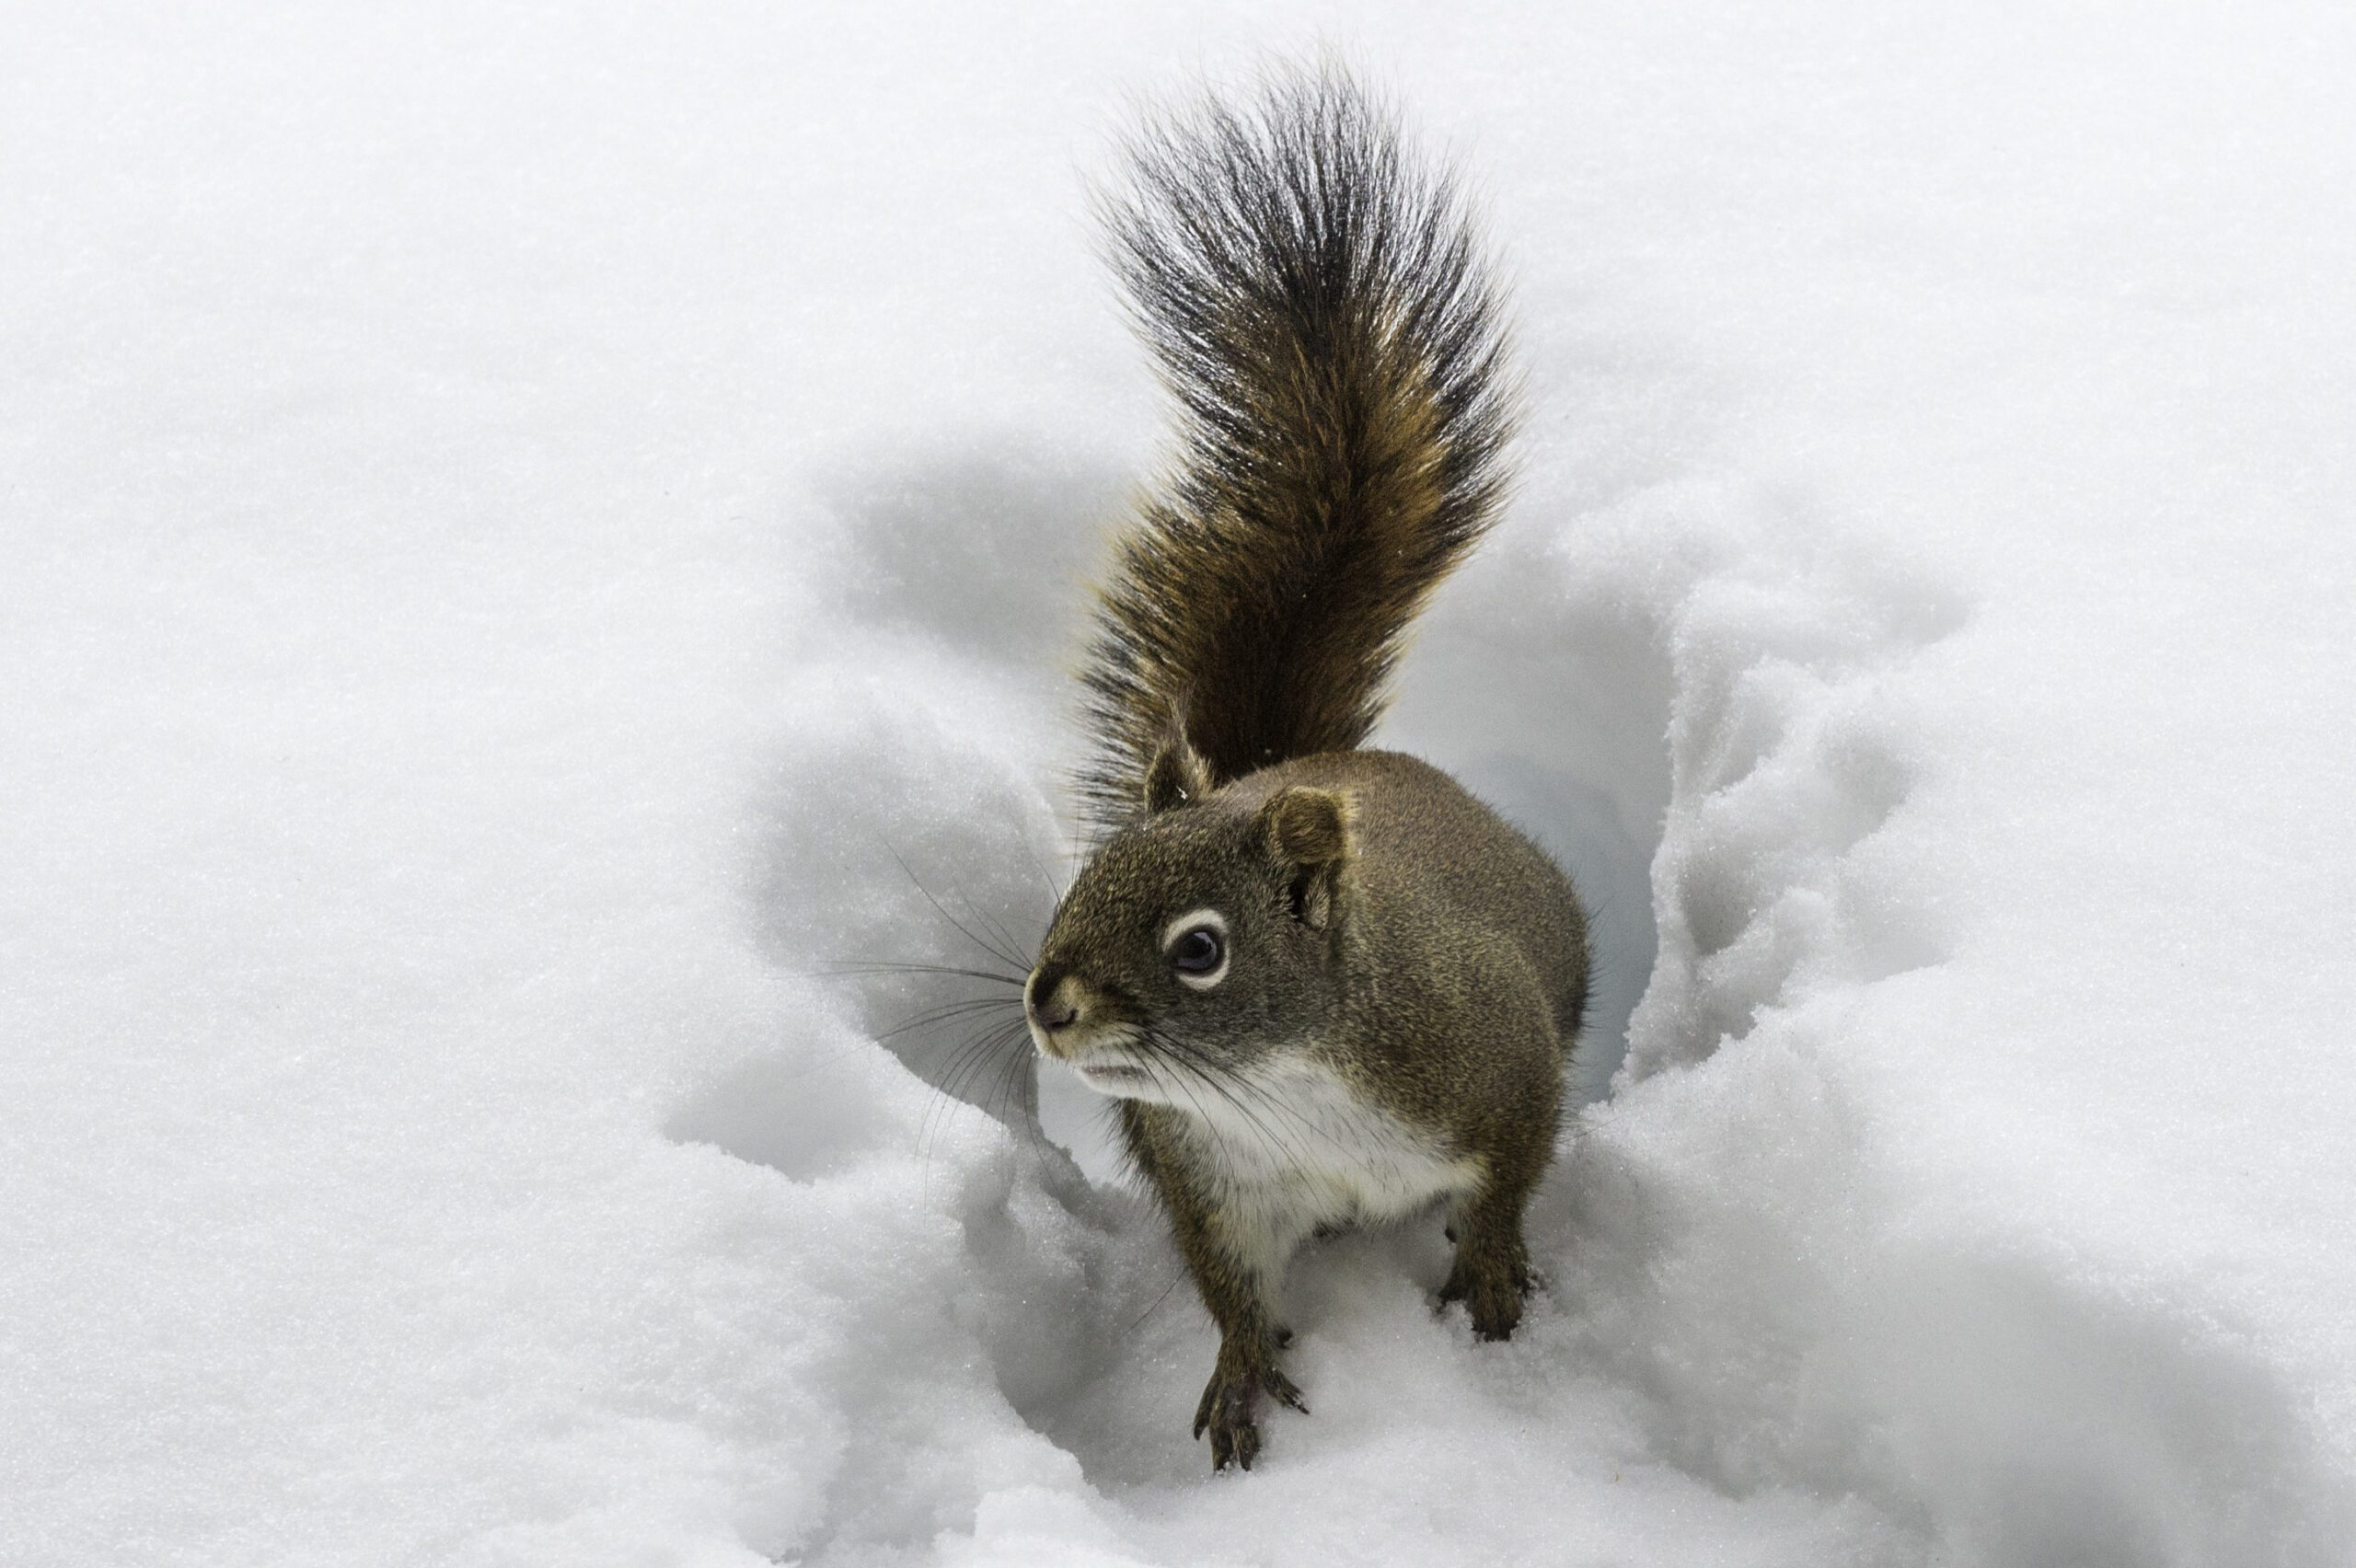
pixel 1492 1294
pixel 1226 1411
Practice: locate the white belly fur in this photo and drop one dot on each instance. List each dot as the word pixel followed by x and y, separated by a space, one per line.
pixel 1299 1151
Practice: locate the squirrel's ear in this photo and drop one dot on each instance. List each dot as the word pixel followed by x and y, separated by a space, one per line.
pixel 1176 775
pixel 1308 834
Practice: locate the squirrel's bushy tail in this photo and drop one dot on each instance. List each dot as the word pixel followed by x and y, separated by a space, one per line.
pixel 1321 308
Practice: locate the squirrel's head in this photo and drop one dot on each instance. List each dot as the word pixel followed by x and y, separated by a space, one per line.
pixel 1203 939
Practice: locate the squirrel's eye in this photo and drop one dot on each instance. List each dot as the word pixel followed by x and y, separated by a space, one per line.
pixel 1198 952
pixel 1196 944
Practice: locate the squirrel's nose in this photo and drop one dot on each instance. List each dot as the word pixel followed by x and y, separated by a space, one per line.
pixel 1048 1011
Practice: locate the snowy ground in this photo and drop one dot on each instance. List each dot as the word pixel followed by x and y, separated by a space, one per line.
pixel 520 519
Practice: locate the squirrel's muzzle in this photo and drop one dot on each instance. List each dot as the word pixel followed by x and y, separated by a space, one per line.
pixel 1048 1000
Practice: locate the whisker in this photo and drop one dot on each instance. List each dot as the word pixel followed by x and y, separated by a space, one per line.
pixel 948 1074
pixel 1188 1090
pixel 966 931
pixel 835 971
pixel 943 1014
pixel 1218 1078
pixel 994 925
pixel 1055 893
pixel 974 1057
pixel 1139 1321
pixel 1022 1108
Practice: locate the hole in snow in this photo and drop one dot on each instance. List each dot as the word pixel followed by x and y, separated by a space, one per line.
pixel 1682 713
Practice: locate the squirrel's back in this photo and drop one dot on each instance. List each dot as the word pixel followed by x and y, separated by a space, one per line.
pixel 1322 313
pixel 1439 874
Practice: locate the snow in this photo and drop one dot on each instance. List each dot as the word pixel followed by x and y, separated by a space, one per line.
pixel 536 537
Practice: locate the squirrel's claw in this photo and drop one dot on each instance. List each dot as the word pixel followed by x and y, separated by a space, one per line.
pixel 1492 1294
pixel 1240 1443
pixel 1226 1413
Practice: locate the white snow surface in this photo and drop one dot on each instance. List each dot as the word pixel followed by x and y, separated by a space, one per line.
pixel 531 531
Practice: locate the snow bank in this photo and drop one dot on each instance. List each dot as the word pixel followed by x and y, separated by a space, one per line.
pixel 538 542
